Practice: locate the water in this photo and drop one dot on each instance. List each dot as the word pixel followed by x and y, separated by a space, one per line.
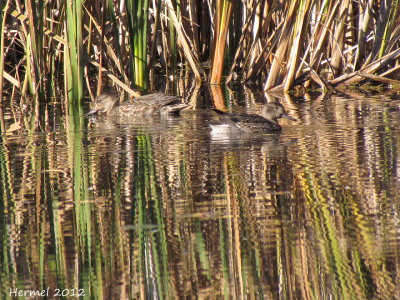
pixel 158 209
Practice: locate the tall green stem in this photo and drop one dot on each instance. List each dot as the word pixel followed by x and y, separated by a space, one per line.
pixel 74 51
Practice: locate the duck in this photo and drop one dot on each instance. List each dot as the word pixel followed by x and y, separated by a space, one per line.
pixel 151 104
pixel 266 122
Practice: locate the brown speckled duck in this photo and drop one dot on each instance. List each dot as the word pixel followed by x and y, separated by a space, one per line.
pixel 145 105
pixel 266 122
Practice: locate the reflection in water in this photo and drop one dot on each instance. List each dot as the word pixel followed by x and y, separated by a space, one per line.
pixel 157 209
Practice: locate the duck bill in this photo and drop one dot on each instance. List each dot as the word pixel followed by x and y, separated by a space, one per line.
pixel 285 116
pixel 92 112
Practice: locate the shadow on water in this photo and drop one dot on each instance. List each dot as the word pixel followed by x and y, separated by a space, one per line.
pixel 155 208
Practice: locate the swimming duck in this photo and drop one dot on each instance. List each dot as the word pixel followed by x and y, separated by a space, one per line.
pixel 145 105
pixel 266 122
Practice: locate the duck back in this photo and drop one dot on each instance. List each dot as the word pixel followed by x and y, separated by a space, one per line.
pixel 148 105
pixel 244 123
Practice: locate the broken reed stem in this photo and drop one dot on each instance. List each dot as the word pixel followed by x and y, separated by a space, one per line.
pixel 115 79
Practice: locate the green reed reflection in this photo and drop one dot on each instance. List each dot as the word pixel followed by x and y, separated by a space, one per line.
pixel 7 266
pixel 152 244
pixel 157 209
pixel 340 207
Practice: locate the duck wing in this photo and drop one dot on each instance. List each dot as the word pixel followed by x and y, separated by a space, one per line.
pixel 254 123
pixel 161 103
pixel 157 100
pixel 240 118
pixel 227 119
pixel 150 104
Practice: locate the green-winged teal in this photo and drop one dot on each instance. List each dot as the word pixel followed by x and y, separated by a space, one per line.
pixel 266 122
pixel 145 105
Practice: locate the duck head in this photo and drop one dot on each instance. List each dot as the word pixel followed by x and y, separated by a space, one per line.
pixel 103 103
pixel 274 111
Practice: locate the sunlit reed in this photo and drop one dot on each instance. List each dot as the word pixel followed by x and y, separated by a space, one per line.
pixel 275 45
pixel 222 18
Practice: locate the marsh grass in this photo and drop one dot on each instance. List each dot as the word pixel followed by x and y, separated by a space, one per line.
pixel 270 43
pixel 168 214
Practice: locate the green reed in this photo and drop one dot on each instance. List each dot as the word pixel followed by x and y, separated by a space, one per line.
pixel 224 229
pixel 151 214
pixel 137 18
pixel 34 49
pixel 327 199
pixel 7 195
pixel 140 190
pixel 274 46
pixel 73 50
pixel 388 25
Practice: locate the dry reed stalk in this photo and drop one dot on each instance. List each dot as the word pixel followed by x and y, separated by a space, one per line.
pixel 223 15
pixel 280 56
pixel 393 17
pixel 321 37
pixel 115 79
pixel 24 21
pixel 280 30
pixel 262 61
pixel 164 49
pixel 11 79
pixel 218 97
pixel 186 49
pixel 120 45
pixel 364 23
pixel 315 24
pixel 295 51
pixel 100 73
pixel 32 46
pixel 3 11
pixel 391 71
pixel 378 78
pixel 153 40
pixel 239 50
pixel 111 55
pixel 355 78
pixel 381 27
pixel 337 58
pixel 320 81
pixel 254 36
pixel 191 25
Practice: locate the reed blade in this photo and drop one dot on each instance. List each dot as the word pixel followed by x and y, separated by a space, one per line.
pixel 73 51
pixel 3 10
pixel 223 16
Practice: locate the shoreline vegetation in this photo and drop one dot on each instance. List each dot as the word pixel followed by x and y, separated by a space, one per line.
pixel 58 47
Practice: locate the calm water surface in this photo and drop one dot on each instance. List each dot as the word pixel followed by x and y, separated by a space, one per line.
pixel 158 209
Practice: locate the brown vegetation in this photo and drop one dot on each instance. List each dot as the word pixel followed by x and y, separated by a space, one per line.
pixel 274 44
